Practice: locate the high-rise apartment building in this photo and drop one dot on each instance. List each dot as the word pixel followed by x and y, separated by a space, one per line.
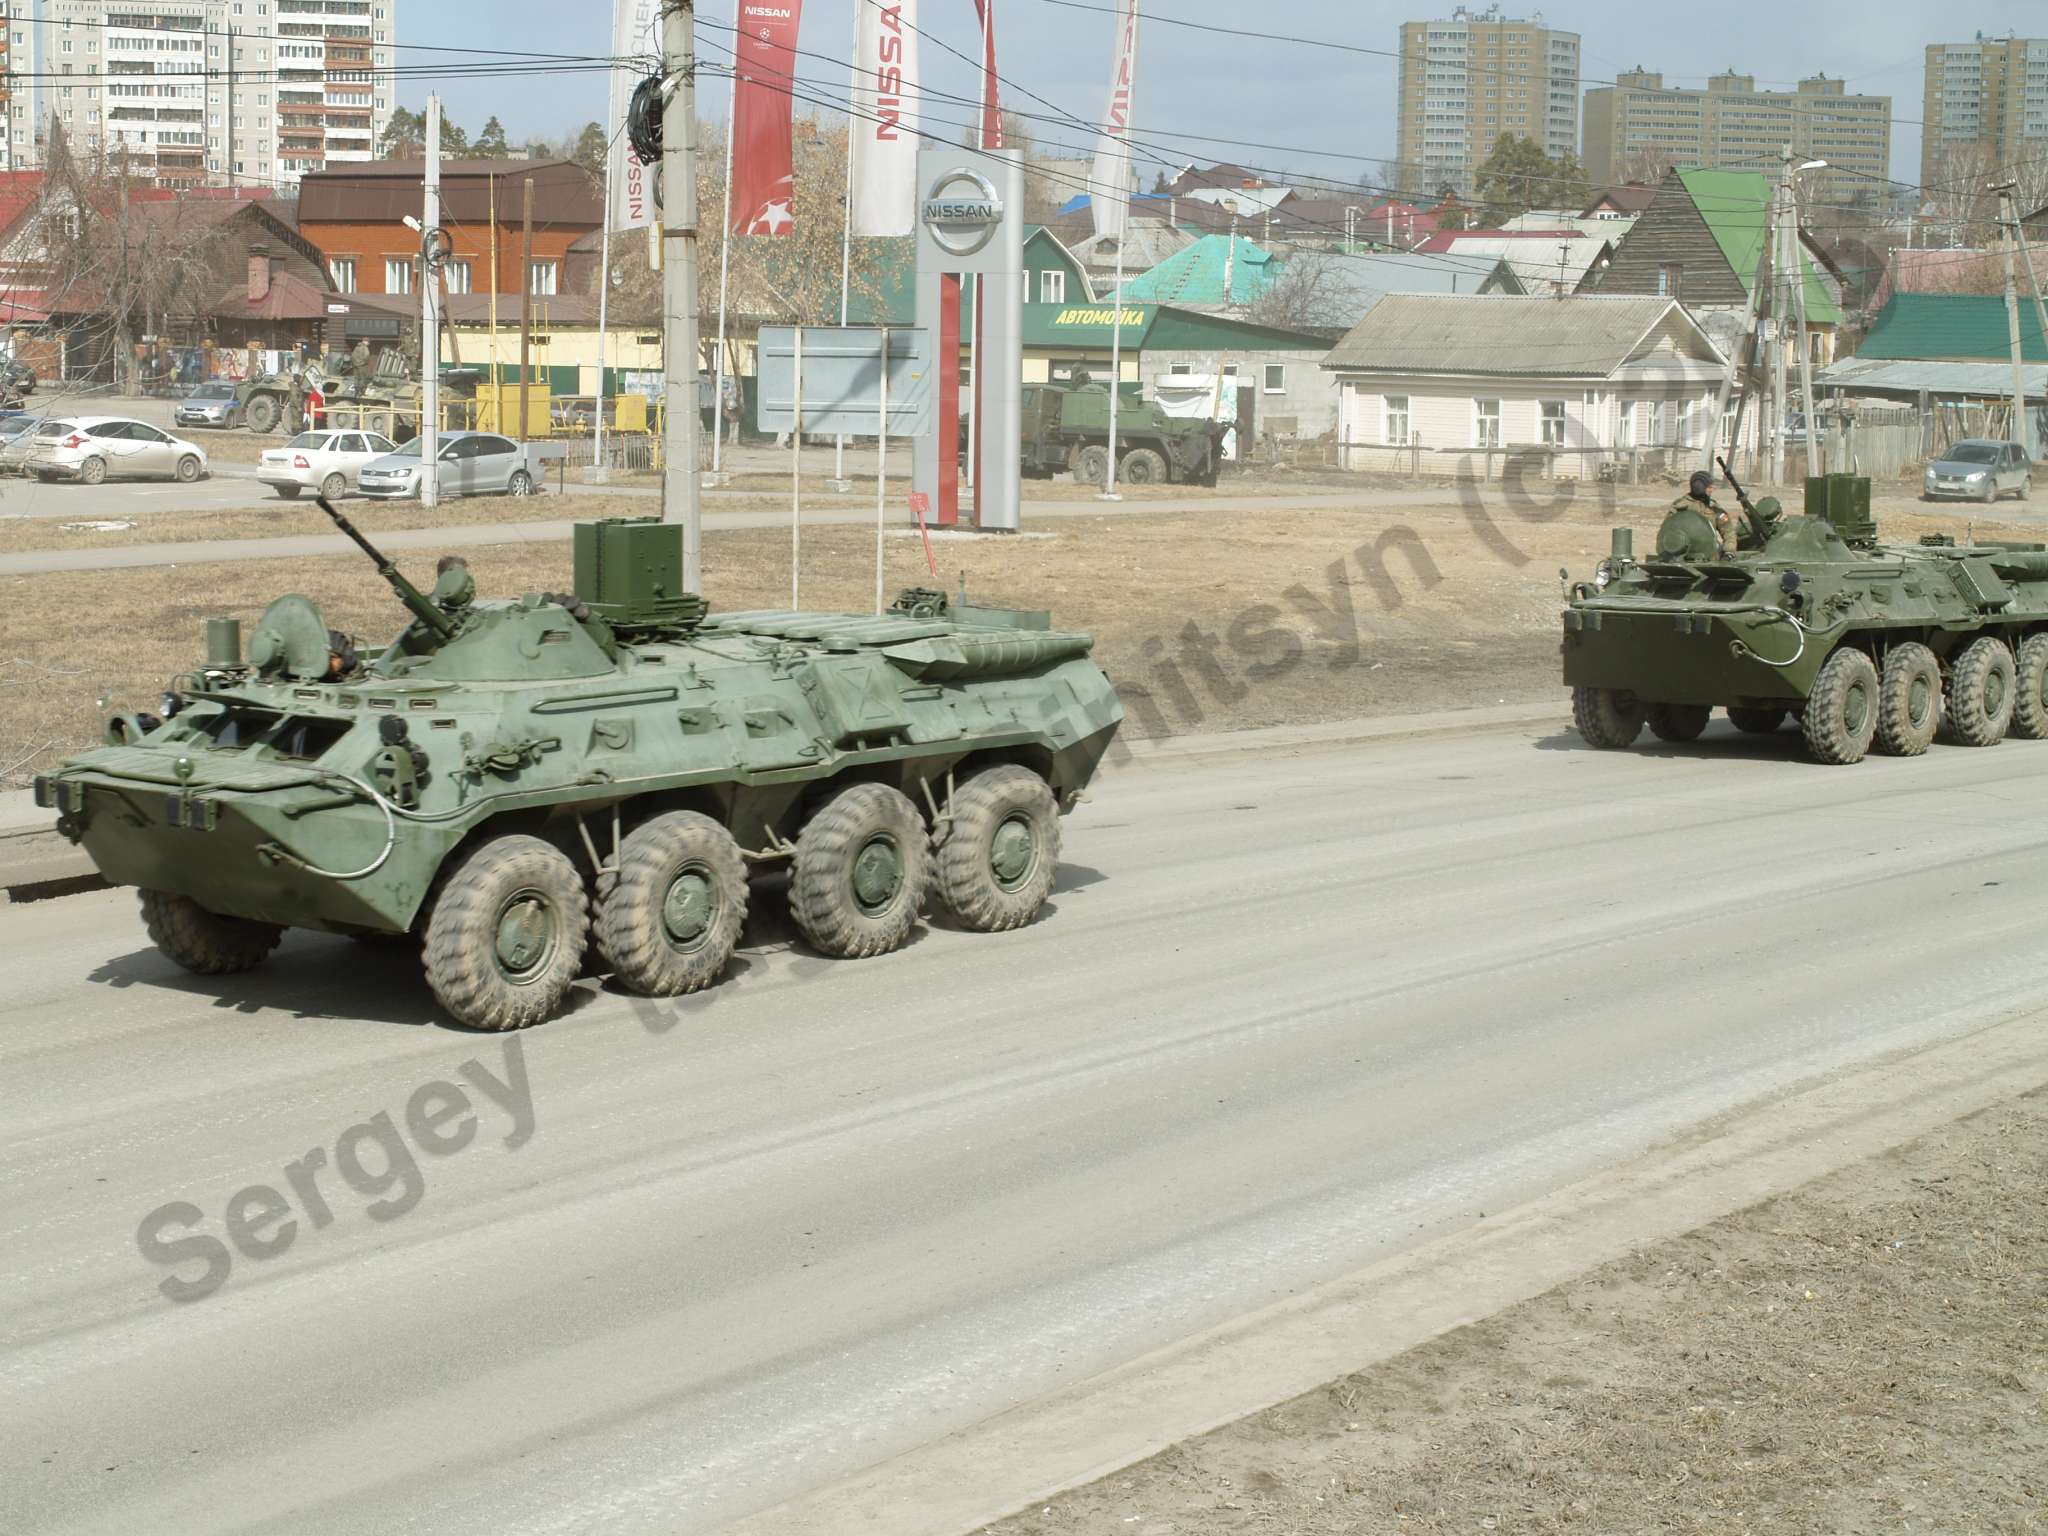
pixel 1468 80
pixel 1638 128
pixel 249 92
pixel 1990 95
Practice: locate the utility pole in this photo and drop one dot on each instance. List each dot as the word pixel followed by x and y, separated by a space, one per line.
pixel 1795 275
pixel 681 491
pixel 2034 284
pixel 430 314
pixel 525 300
pixel 1779 295
pixel 2009 218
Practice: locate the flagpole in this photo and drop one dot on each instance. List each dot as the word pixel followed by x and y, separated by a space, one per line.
pixel 988 11
pixel 1123 234
pixel 600 473
pixel 839 481
pixel 732 120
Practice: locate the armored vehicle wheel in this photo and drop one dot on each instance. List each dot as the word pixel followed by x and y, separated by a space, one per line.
pixel 1908 700
pixel 1841 708
pixel 335 486
pixel 861 867
pixel 1144 467
pixel 2030 690
pixel 1607 717
pixel 289 492
pixel 1756 719
pixel 1091 466
pixel 378 422
pixel 1980 693
pixel 92 472
pixel 672 918
pixel 1677 722
pixel 204 942
pixel 505 938
pixel 1001 849
pixel 262 412
pixel 188 469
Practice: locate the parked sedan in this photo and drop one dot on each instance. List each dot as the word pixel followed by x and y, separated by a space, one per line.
pixel 210 405
pixel 328 461
pixel 89 449
pixel 17 432
pixel 1981 470
pixel 471 464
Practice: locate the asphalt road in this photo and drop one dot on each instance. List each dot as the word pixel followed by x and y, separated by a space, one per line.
pixel 1291 1012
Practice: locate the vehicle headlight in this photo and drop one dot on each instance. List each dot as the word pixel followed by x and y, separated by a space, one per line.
pixel 1602 576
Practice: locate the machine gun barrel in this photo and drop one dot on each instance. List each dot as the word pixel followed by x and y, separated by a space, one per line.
pixel 1734 484
pixel 408 594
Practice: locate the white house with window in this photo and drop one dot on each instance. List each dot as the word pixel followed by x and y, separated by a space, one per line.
pixel 1457 384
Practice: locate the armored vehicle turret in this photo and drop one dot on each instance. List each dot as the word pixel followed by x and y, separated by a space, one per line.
pixel 512 781
pixel 1811 616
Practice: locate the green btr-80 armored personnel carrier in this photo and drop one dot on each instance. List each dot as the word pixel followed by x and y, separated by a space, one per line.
pixel 510 781
pixel 1810 616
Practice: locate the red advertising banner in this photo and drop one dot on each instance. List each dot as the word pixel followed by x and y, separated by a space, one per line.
pixel 763 180
pixel 991 105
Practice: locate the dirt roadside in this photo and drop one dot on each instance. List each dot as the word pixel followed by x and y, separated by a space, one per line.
pixel 1868 1352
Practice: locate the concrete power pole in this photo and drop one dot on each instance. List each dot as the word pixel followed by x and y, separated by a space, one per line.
pixel 681 491
pixel 2033 283
pixel 2008 218
pixel 430 315
pixel 1780 293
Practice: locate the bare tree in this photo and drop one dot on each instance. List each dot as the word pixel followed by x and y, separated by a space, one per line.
pixel 1644 164
pixel 1308 293
pixel 1957 191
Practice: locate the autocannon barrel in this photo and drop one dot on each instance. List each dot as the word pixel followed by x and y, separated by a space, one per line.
pixel 408 594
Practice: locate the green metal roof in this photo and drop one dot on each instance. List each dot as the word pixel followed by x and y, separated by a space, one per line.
pixel 1198 274
pixel 1732 204
pixel 1956 326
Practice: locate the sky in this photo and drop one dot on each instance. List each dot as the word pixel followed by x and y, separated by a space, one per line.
pixel 1266 102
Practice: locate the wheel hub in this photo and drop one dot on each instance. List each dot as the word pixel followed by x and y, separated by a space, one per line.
pixel 686 910
pixel 1013 852
pixel 526 935
pixel 877 873
pixel 1994 692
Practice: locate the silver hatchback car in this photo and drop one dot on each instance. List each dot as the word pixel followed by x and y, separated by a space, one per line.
pixel 1980 469
pixel 471 464
pixel 90 449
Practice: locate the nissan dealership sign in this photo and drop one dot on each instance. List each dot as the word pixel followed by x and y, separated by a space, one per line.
pixel 962 212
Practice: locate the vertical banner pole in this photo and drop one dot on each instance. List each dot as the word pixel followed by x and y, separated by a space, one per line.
pixel 846 272
pixel 796 474
pixel 732 118
pixel 881 468
pixel 430 316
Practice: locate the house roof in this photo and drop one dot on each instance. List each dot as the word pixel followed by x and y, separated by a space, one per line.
pixel 290 297
pixel 1632 197
pixel 1958 326
pixel 1215 270
pixel 1906 380
pixel 1577 336
pixel 1540 259
pixel 385 191
pixel 1732 205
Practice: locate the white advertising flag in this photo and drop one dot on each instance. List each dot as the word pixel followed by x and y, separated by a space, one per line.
pixel 636 33
pixel 1110 183
pixel 885 117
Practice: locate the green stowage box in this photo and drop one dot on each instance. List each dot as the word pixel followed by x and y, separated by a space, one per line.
pixel 630 569
pixel 1843 500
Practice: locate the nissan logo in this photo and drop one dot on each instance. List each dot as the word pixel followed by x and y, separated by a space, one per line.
pixel 962 212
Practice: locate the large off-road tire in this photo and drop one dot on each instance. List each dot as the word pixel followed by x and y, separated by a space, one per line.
pixel 1980 693
pixel 2030 690
pixel 204 942
pixel 1142 466
pixel 334 487
pixel 861 868
pixel 1841 708
pixel 1607 717
pixel 1000 850
pixel 188 469
pixel 1091 465
pixel 1908 700
pixel 1677 722
pixel 92 472
pixel 672 918
pixel 505 938
pixel 1756 719
pixel 262 412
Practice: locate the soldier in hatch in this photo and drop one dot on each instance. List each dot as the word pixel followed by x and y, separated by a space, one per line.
pixel 1697 527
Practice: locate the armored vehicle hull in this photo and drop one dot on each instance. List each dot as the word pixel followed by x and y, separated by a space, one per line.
pixel 512 782
pixel 1866 645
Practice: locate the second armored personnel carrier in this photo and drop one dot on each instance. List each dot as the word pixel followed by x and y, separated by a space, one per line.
pixel 511 782
pixel 1811 617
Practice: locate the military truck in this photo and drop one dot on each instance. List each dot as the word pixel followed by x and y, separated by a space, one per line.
pixel 1066 427
pixel 1811 617
pixel 514 782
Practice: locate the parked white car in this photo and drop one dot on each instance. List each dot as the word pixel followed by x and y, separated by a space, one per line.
pixel 328 462
pixel 90 449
